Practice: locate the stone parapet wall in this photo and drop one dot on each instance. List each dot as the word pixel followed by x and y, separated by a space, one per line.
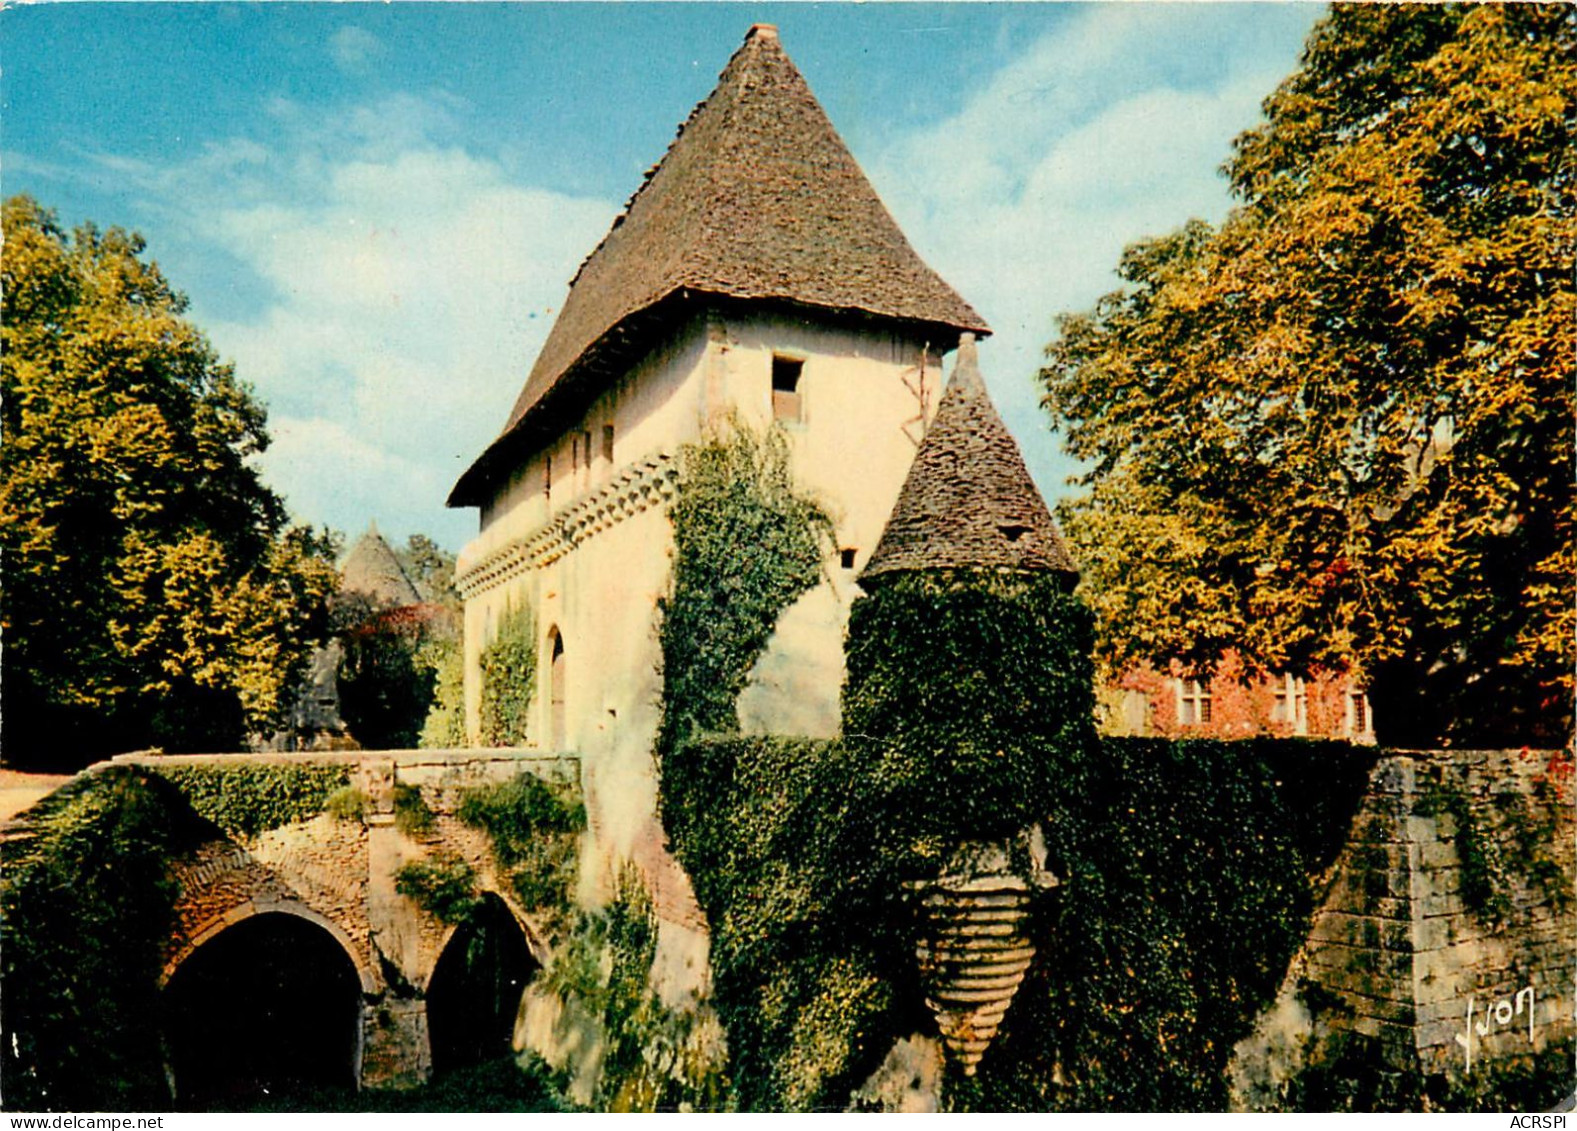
pixel 1447 935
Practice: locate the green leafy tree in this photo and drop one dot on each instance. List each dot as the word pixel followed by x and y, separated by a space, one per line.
pixel 386 680
pixel 431 569
pixel 444 727
pixel 152 594
pixel 1336 431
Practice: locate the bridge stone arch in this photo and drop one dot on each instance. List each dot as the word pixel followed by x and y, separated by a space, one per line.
pixel 535 935
pixel 476 985
pixel 341 875
pixel 267 1001
pixel 244 911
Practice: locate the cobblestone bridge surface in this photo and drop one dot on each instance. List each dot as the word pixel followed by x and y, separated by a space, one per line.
pixel 340 876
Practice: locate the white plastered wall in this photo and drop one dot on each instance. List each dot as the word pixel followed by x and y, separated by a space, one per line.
pixel 864 394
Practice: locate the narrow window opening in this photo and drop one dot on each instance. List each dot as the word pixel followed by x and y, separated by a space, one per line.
pixel 1361 723
pixel 846 558
pixel 607 442
pixel 557 720
pixel 547 478
pixel 787 400
pixel 585 446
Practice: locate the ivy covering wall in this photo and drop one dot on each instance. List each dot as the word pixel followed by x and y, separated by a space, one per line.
pixel 967 716
pixel 85 905
pixel 245 797
pixel 747 544
pixel 534 828
pixel 655 1057
pixel 1187 874
pixel 509 673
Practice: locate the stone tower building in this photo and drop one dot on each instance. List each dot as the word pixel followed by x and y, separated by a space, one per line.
pixel 754 276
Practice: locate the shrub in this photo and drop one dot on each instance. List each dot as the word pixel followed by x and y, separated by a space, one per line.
pixel 412 816
pixel 533 828
pixel 347 803
pixel 443 885
pixel 444 728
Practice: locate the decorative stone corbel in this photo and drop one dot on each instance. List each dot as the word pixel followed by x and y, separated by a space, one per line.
pixel 974 947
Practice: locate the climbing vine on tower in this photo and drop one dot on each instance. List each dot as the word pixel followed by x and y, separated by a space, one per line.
pixel 747 544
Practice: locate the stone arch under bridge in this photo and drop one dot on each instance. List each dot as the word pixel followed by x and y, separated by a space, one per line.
pixel 329 884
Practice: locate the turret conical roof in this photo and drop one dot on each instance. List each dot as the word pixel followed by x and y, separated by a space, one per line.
pixel 372 570
pixel 969 501
pixel 758 199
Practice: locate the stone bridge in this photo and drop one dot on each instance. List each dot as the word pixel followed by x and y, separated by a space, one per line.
pixel 295 954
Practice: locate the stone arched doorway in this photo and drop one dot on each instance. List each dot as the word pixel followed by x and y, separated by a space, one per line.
pixel 557 724
pixel 268 1006
pixel 474 993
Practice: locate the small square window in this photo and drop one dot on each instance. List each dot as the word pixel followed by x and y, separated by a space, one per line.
pixel 846 558
pixel 787 400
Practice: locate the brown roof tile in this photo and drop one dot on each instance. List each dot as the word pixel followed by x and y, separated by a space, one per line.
pixel 969 502
pixel 757 199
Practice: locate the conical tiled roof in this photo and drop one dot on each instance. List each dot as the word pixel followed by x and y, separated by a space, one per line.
pixel 372 570
pixel 758 199
pixel 969 502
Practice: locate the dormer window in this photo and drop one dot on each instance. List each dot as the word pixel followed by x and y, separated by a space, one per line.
pixel 787 401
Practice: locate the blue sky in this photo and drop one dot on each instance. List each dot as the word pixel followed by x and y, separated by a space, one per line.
pixel 376 208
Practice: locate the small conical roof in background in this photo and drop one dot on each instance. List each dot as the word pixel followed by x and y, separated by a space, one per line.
pixel 969 502
pixel 372 570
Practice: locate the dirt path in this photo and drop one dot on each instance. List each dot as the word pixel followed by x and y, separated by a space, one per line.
pixel 19 790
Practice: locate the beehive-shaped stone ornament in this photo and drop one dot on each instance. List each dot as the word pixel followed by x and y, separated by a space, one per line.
pixel 974 947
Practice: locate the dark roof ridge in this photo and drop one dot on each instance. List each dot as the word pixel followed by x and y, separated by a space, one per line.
pixel 968 502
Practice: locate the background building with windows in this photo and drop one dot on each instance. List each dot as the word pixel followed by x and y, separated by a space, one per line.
pixel 1233 704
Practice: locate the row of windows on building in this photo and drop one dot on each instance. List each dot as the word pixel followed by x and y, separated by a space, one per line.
pixel 1289 706
pixel 580 460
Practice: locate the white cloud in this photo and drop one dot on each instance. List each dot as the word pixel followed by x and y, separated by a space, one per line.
pixel 354 49
pixel 334 469
pixel 391 288
pixel 1106 131
pixel 410 283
